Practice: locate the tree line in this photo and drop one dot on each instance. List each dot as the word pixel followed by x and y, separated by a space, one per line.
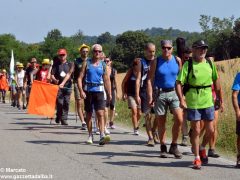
pixel 222 35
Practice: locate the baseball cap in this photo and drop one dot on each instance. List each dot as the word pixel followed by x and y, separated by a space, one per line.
pixel 62 52
pixel 199 44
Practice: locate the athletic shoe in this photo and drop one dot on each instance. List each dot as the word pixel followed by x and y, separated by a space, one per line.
pixel 111 125
pixel 104 140
pixel 135 132
pixel 203 156
pixel 197 164
pixel 97 132
pixel 174 150
pixel 106 131
pixel 212 153
pixel 238 161
pixel 184 141
pixel 64 122
pixel 84 126
pixel 4 102
pixel 90 139
pixel 57 121
pixel 163 151
pixel 150 143
pixel 24 107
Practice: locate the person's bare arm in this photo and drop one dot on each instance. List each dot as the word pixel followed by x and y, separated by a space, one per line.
pixel 235 104
pixel 125 79
pixel 80 80
pixel 107 83
pixel 68 76
pixel 179 63
pixel 150 79
pixel 116 84
pixel 138 80
pixel 179 92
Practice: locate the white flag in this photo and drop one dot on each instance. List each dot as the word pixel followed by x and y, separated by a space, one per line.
pixel 12 66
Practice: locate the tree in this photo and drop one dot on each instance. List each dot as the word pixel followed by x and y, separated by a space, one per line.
pixel 105 38
pixel 129 45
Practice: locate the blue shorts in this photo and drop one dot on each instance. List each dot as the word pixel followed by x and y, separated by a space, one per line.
pixel 201 114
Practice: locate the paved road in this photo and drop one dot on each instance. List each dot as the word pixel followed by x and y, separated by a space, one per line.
pixel 31 144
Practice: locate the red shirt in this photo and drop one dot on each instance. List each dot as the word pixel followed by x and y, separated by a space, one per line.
pixel 42 75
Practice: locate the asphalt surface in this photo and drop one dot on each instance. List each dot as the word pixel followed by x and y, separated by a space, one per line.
pixel 32 145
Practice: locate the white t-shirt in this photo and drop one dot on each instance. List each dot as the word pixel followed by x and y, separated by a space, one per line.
pixel 20 76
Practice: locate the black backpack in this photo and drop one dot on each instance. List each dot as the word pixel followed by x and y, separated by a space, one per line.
pixel 187 86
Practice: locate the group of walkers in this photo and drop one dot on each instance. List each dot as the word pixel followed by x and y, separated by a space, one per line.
pixel 188 87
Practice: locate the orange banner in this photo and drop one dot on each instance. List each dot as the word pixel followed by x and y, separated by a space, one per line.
pixel 42 99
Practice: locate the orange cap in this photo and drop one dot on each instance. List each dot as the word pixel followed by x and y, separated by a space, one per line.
pixel 62 51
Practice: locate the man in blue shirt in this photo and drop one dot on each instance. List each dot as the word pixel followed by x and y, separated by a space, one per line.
pixel 163 75
pixel 236 103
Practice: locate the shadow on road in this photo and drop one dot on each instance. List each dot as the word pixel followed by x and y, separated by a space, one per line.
pixel 68 133
pixel 48 142
pixel 129 142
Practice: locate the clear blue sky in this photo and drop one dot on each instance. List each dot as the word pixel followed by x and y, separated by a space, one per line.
pixel 31 20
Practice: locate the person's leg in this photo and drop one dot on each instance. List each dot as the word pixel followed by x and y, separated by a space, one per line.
pixel 195 125
pixel 59 106
pixel 213 139
pixel 112 109
pixel 66 103
pixel 19 98
pixel 178 119
pixel 4 96
pixel 184 129
pixel 238 143
pixel 155 130
pixel 80 112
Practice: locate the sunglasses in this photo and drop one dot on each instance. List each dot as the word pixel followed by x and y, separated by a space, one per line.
pixel 97 51
pixel 85 51
pixel 33 62
pixel 61 55
pixel 168 48
pixel 202 48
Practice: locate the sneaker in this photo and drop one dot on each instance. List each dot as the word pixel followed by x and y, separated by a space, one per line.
pixel 97 132
pixel 212 153
pixel 197 164
pixel 24 107
pixel 184 141
pixel 104 140
pixel 4 102
pixel 238 161
pixel 57 121
pixel 90 139
pixel 64 122
pixel 203 156
pixel 150 143
pixel 111 125
pixel 135 132
pixel 174 150
pixel 106 131
pixel 163 152
pixel 84 126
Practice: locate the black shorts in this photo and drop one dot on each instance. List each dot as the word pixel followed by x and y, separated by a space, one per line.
pixel 94 100
pixel 238 128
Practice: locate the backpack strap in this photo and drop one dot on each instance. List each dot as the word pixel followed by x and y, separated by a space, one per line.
pixel 190 67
